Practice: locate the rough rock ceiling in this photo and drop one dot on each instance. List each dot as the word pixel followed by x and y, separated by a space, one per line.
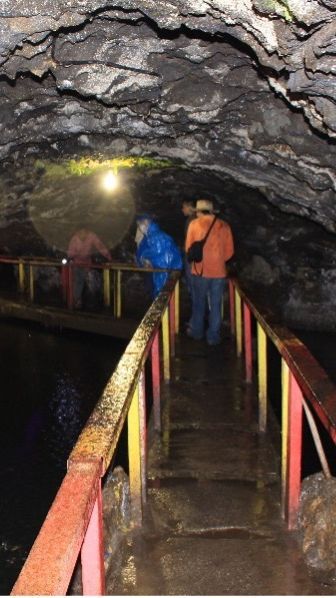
pixel 244 88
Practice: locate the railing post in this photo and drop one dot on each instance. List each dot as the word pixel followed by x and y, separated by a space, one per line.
pixel 155 355
pixel 172 324
pixel 21 277
pixel 262 377
pixel 107 287
pixel 232 308
pixel 117 293
pixel 165 339
pixel 31 283
pixel 248 343
pixel 134 458
pixel 284 433
pixel 143 435
pixel 294 451
pixel 70 298
pixel 177 306
pixel 92 552
pixel 238 320
pixel 65 283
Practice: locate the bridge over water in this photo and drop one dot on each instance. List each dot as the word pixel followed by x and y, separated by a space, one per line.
pixel 212 521
pixel 214 500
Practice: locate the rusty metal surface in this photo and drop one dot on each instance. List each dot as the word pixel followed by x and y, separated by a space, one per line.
pixel 213 525
pixel 102 431
pixel 51 562
pixel 316 385
pixel 92 552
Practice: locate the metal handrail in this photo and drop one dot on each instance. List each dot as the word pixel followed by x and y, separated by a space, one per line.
pixel 69 528
pixel 123 398
pixel 26 283
pixel 54 262
pixel 302 379
pixel 109 414
pixel 312 378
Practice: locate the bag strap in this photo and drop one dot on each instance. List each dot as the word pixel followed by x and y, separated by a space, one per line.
pixel 204 241
pixel 208 233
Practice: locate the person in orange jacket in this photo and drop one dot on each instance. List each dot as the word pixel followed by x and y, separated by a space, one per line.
pixel 208 276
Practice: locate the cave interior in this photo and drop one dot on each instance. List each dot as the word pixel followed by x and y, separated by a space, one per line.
pixel 233 102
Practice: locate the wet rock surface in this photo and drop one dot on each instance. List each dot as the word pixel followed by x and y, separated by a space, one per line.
pixel 212 522
pixel 246 90
pixel 317 523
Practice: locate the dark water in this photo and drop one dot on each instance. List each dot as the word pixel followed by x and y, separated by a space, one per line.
pixel 50 383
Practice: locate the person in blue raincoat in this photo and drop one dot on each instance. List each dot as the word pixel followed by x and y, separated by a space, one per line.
pixel 157 249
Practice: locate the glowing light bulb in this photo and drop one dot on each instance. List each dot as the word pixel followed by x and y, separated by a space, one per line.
pixel 110 181
pixel 64 261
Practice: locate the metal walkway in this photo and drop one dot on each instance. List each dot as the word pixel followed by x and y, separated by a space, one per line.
pixel 212 520
pixel 56 317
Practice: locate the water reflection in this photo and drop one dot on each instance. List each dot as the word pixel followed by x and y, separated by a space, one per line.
pixel 50 384
pixel 64 420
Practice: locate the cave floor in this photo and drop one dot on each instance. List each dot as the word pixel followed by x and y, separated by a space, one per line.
pixel 212 523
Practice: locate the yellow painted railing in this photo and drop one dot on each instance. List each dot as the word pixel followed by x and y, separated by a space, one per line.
pixel 301 378
pixel 111 281
pixel 74 522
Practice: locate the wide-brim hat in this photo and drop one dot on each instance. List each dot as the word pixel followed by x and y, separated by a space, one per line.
pixel 205 205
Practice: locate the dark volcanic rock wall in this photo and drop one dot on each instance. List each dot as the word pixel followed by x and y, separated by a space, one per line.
pixel 241 91
pixel 243 88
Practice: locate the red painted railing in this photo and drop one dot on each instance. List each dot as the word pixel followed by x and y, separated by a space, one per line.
pixel 74 523
pixel 26 277
pixel 302 378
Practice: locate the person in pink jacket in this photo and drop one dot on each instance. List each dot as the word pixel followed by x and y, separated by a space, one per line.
pixel 83 245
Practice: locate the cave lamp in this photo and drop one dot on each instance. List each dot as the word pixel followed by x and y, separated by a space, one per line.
pixel 110 181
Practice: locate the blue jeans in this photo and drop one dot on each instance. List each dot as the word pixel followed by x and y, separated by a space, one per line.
pixel 188 275
pixel 203 289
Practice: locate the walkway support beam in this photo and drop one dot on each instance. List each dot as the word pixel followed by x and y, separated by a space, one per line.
pixel 294 452
pixel 117 294
pixel 232 307
pixel 155 357
pixel 248 344
pixel 22 277
pixel 172 325
pixel 165 343
pixel 239 325
pixel 262 377
pixel 134 459
pixel 285 371
pixel 107 287
pixel 31 283
pixel 177 307
pixel 92 553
